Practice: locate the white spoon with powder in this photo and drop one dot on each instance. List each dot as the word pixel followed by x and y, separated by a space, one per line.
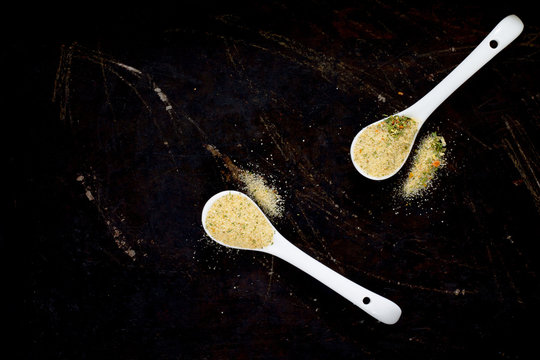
pixel 378 156
pixel 232 219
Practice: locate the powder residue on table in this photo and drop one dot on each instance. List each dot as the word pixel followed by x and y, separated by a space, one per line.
pixel 382 147
pixel 428 159
pixel 255 185
pixel 235 220
pixel 266 196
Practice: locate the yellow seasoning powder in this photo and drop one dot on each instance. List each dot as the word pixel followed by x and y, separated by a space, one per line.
pixel 266 196
pixel 235 220
pixel 428 159
pixel 382 147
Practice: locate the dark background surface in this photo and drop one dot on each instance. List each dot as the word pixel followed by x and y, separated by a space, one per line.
pixel 106 176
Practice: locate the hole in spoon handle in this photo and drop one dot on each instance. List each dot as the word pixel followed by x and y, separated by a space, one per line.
pixel 506 31
pixel 375 305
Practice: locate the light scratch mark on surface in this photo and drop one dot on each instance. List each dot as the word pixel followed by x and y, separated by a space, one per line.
pixel 62 81
pixel 453 292
pixel 331 69
pixel 113 225
pixel 270 278
pixel 524 157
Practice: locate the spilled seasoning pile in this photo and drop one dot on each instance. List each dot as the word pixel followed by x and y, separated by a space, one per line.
pixel 254 185
pixel 235 220
pixel 267 197
pixel 428 159
pixel 382 147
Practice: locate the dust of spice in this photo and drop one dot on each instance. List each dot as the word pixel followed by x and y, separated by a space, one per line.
pixel 428 159
pixel 235 220
pixel 382 147
pixel 265 195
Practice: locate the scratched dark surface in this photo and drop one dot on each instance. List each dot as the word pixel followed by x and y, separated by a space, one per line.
pixel 108 163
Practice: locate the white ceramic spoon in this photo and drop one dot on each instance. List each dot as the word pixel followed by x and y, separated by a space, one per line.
pixel 375 305
pixel 501 36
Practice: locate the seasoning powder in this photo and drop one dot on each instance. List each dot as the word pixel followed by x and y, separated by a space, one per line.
pixel 382 147
pixel 236 221
pixel 266 196
pixel 428 159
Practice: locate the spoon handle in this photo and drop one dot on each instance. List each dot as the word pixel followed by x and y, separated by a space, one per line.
pixel 501 36
pixel 375 305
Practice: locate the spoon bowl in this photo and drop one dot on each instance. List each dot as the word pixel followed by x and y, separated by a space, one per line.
pixel 506 31
pixel 375 305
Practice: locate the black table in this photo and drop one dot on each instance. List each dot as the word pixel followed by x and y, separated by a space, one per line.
pixel 110 156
